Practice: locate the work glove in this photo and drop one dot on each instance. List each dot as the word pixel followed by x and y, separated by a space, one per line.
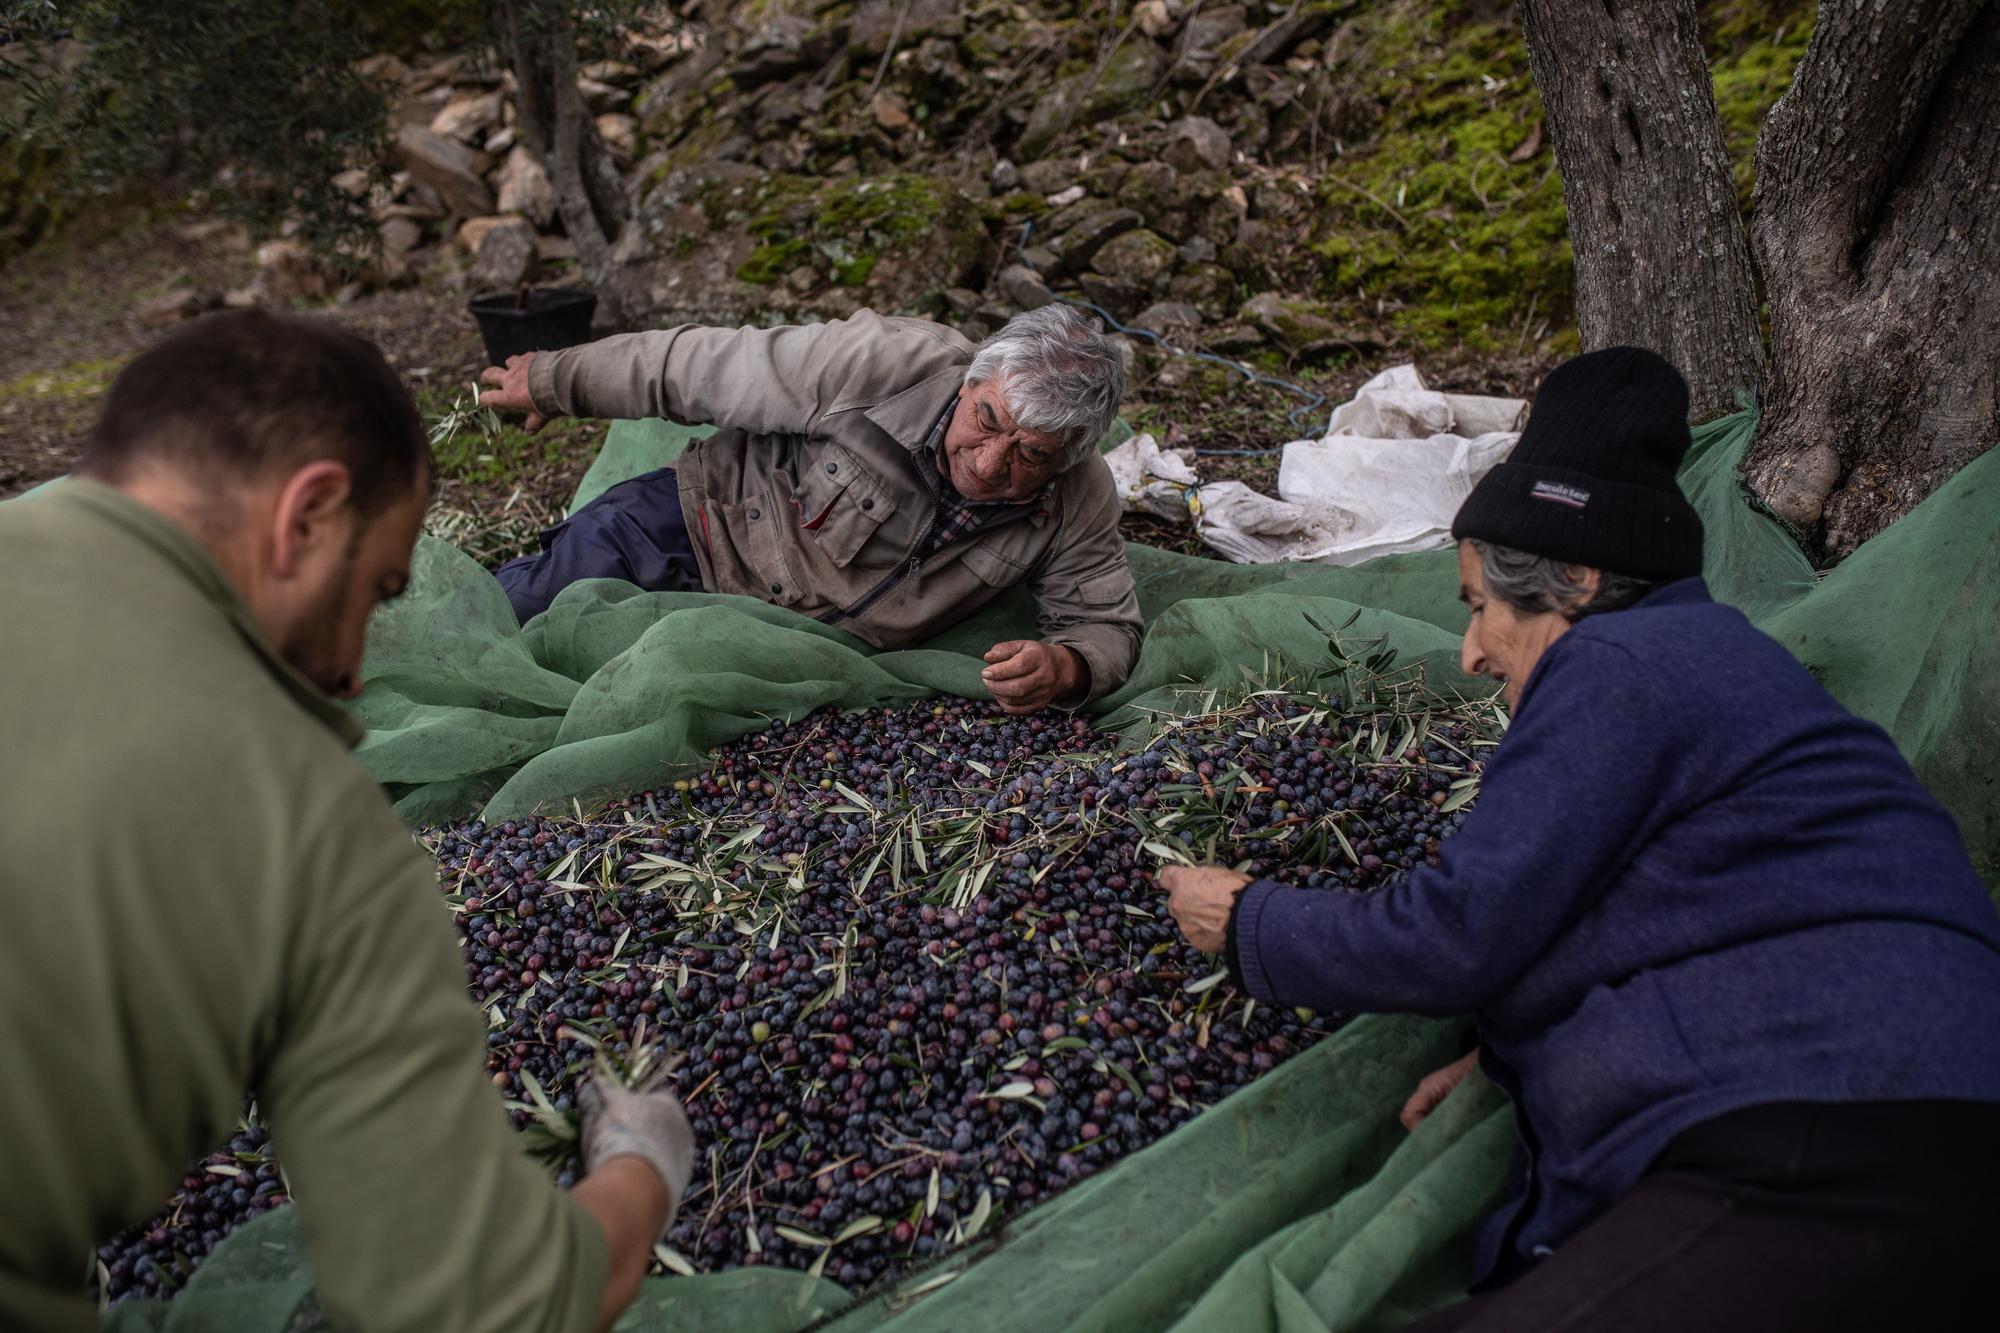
pixel 618 1122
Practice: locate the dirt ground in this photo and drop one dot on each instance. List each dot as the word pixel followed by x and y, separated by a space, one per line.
pixel 68 322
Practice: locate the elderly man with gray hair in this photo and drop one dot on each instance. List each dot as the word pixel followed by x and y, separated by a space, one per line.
pixel 879 474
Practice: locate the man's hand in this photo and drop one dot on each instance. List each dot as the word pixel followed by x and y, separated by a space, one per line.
pixel 650 1126
pixel 639 1152
pixel 1201 898
pixel 1436 1086
pixel 510 390
pixel 1027 676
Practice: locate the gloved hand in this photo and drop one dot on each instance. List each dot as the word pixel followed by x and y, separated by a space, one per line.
pixel 618 1122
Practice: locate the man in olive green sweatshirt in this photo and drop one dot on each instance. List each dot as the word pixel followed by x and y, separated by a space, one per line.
pixel 203 893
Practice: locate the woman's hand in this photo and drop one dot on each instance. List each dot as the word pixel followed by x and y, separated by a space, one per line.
pixel 1436 1086
pixel 1201 898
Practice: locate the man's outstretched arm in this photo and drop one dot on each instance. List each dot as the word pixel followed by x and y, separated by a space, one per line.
pixel 758 380
pixel 416 1203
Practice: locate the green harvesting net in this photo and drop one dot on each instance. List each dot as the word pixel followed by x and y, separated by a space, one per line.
pixel 1296 1204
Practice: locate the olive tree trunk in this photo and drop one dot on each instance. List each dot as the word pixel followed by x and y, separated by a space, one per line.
pixel 1877 226
pixel 556 125
pixel 1661 256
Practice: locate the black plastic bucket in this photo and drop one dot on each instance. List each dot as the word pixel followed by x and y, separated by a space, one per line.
pixel 551 317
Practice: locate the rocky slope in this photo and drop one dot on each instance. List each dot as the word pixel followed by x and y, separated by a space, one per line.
pixel 1280 181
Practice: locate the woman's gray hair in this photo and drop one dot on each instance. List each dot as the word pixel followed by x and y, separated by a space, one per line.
pixel 1533 584
pixel 1062 376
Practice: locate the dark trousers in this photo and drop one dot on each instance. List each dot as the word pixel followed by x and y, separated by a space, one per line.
pixel 1875 1216
pixel 632 532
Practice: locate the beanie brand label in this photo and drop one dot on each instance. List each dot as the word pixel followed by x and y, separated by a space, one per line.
pixel 1573 496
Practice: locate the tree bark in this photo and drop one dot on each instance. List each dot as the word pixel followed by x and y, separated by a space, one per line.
pixel 558 128
pixel 1877 226
pixel 1661 257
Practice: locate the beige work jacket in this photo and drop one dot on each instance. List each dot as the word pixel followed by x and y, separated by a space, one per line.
pixel 819 425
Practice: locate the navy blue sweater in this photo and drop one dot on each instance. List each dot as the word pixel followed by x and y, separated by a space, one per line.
pixel 1693 882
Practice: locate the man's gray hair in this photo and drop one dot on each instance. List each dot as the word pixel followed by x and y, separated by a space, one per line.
pixel 1533 584
pixel 1063 377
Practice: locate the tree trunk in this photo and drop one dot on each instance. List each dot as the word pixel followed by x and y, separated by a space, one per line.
pixel 558 128
pixel 1661 258
pixel 1877 226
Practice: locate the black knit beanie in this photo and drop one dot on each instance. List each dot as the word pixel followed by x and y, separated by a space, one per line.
pixel 1591 481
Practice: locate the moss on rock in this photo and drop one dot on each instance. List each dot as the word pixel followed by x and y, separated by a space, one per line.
pixel 83 381
pixel 1430 223
pixel 1754 45
pixel 903 237
pixel 1430 226
pixel 772 260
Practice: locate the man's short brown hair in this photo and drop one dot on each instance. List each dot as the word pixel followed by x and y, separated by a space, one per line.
pixel 251 393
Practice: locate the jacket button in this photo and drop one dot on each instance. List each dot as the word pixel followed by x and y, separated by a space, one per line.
pixel 832 468
pixel 756 513
pixel 777 587
pixel 868 503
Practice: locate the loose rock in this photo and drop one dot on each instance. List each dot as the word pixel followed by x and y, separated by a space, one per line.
pixel 1163 316
pixel 1023 288
pixel 891 112
pixel 473 232
pixel 1082 240
pixel 286 274
pixel 1295 324
pixel 450 169
pixel 525 188
pixel 1196 143
pixel 468 117
pixel 603 98
pixel 1155 19
pixel 1139 257
pixel 354 183
pixel 172 307
pixel 507 257
pixel 400 236
pixel 619 132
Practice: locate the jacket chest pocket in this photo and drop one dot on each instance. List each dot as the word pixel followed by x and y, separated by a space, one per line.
pixel 993 564
pixel 764 552
pixel 840 503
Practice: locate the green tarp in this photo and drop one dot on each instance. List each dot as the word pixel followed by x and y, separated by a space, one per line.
pixel 1298 1204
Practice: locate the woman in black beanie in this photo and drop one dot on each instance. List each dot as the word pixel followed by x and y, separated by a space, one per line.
pixel 1725 954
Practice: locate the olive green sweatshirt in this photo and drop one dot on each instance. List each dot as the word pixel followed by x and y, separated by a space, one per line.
pixel 203 894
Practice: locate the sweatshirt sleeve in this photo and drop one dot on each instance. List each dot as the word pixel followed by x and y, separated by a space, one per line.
pixel 416 1203
pixel 1581 781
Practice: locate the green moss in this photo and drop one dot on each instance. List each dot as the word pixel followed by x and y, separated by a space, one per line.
pixel 1429 227
pixel 692 146
pixel 772 260
pixel 1754 49
pixel 1022 204
pixel 902 207
pixel 79 382
pixel 854 272
pixel 843 226
pixel 1429 221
